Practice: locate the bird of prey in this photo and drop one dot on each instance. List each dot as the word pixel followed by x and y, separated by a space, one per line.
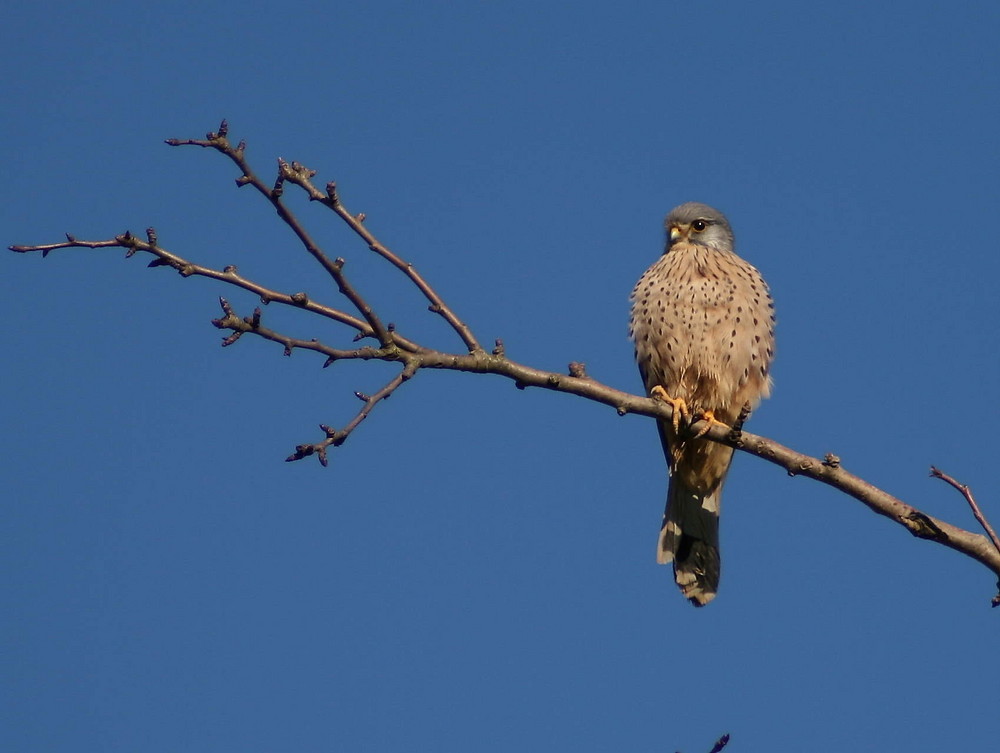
pixel 703 326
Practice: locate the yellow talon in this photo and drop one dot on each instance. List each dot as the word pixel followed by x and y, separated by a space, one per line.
pixel 709 416
pixel 677 403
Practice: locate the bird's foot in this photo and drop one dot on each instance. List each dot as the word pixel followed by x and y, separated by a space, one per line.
pixel 710 419
pixel 677 403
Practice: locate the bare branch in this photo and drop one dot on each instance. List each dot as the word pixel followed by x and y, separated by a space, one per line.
pixel 438 306
pixel 337 437
pixel 252 324
pixel 393 347
pixel 967 493
pixel 300 175
pixel 721 743
pixel 356 223
pixel 294 173
pixel 228 274
pixel 297 173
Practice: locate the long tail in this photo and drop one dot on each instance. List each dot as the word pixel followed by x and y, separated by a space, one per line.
pixel 690 539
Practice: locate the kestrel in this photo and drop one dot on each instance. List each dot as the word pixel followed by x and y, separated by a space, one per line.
pixel 703 326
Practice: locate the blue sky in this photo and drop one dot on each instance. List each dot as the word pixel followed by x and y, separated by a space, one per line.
pixel 475 570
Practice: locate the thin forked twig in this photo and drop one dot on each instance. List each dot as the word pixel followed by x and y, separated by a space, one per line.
pixel 967 493
pixel 337 437
pixel 438 306
pixel 302 176
pixel 293 173
pixel 229 274
pixel 252 324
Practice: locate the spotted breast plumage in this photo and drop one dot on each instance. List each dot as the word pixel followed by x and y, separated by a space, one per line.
pixel 703 326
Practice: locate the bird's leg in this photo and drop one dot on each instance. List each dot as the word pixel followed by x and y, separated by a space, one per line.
pixel 677 403
pixel 709 417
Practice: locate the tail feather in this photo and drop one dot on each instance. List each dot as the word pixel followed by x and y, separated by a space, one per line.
pixel 689 538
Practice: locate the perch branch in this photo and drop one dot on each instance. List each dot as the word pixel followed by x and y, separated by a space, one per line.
pixel 393 347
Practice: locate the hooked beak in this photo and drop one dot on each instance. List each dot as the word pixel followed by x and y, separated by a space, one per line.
pixel 675 233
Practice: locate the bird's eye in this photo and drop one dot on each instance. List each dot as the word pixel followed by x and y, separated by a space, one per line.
pixel 699 225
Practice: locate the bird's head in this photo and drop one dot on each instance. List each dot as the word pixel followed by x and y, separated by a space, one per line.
pixel 698 223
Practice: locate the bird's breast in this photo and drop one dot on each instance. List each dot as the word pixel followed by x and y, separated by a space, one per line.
pixel 702 325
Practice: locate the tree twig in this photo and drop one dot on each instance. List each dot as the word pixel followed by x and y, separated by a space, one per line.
pixel 967 493
pixel 337 437
pixel 229 274
pixel 721 743
pixel 356 223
